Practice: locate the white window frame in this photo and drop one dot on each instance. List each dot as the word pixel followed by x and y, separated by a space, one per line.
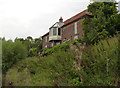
pixel 57 43
pixel 51 32
pixel 52 44
pixel 75 27
pixel 46 38
pixel 75 37
pixel 45 46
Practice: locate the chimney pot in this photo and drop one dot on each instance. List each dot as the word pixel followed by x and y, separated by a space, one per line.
pixel 61 19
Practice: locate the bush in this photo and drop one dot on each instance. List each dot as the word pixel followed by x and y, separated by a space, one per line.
pixel 63 47
pixel 100 66
pixel 58 67
pixel 11 53
pixel 32 52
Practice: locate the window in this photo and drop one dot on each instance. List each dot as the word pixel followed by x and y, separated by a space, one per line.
pixel 76 37
pixel 57 43
pixel 52 44
pixel 46 38
pixel 50 32
pixel 76 28
pixel 59 32
pixel 46 46
pixel 54 31
pixel 71 38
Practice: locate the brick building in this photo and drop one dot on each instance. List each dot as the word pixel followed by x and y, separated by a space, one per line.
pixel 68 30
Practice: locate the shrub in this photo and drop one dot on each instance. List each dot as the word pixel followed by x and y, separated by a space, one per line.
pixel 55 69
pixel 58 67
pixel 33 52
pixel 11 53
pixel 100 63
pixel 63 47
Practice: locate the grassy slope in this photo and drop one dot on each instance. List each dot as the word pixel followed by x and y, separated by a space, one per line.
pixel 50 71
pixel 57 69
pixel 19 74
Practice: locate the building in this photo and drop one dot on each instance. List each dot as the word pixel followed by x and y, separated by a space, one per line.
pixel 68 30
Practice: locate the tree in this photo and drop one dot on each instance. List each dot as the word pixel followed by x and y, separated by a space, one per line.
pixel 11 53
pixel 103 23
pixel 38 43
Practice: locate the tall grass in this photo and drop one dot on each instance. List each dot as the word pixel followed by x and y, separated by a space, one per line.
pixel 100 63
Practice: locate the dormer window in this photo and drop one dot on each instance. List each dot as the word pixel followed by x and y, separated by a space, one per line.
pixel 55 31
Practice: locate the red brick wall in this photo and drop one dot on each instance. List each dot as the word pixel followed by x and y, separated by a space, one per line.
pixel 79 29
pixel 70 31
pixel 44 41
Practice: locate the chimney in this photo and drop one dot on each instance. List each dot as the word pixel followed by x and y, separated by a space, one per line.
pixel 61 20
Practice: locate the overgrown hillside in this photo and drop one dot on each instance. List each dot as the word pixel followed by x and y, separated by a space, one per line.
pixel 93 60
pixel 99 66
pixel 101 62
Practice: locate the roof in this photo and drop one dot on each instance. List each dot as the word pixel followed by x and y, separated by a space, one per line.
pixel 57 24
pixel 45 34
pixel 76 17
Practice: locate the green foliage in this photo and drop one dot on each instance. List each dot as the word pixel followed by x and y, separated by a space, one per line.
pixel 119 56
pixel 104 22
pixel 55 69
pixel 63 47
pixel 59 66
pixel 21 73
pixel 100 66
pixel 33 52
pixel 11 53
pixel 32 45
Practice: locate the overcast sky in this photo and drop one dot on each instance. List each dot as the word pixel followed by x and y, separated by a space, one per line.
pixel 22 18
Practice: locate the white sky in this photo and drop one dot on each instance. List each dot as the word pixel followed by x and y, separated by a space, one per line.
pixel 22 18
